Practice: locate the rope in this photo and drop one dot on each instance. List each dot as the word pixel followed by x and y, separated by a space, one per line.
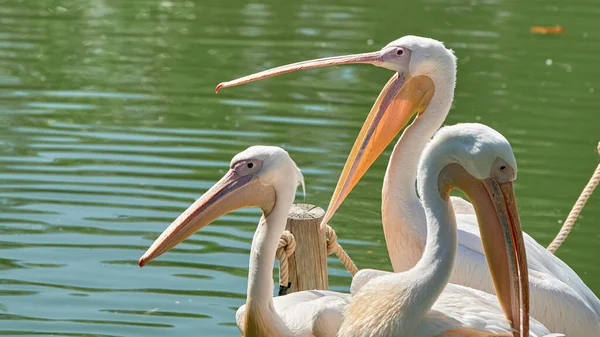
pixel 574 214
pixel 334 247
pixel 285 249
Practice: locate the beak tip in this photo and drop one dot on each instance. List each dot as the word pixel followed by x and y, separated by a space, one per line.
pixel 142 261
pixel 323 225
pixel 219 86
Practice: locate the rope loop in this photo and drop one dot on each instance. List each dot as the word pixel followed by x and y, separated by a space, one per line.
pixel 574 214
pixel 334 247
pixel 285 248
pixel 287 243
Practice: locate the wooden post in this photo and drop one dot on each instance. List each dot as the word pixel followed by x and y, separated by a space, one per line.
pixel 308 265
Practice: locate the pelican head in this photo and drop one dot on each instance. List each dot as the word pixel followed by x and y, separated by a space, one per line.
pixel 480 162
pixel 475 147
pixel 257 177
pixel 414 55
pixel 421 65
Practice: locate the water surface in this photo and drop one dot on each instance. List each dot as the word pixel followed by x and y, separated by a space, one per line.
pixel 109 127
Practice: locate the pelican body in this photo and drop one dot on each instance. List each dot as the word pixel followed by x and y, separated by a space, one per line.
pixel 419 302
pixel 423 85
pixel 266 177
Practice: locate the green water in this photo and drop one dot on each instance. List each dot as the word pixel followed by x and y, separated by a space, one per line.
pixel 109 127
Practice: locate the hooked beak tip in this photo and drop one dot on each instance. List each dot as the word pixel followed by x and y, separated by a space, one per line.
pixel 142 262
pixel 219 86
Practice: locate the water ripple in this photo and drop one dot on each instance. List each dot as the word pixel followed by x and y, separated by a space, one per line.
pixel 110 127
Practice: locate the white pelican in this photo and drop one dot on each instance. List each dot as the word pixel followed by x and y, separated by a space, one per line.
pixel 266 177
pixel 419 302
pixel 423 84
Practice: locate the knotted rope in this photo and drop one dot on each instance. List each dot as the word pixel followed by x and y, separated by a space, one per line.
pixel 334 247
pixel 285 249
pixel 574 214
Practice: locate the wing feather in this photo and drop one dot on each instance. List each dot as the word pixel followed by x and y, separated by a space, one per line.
pixel 558 295
pixel 462 311
pixel 318 312
pixel 461 206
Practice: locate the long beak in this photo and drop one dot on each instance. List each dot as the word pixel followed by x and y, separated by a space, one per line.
pixel 498 217
pixel 399 100
pixel 397 103
pixel 230 193
pixel 501 237
pixel 374 58
pixel 502 240
pixel 517 309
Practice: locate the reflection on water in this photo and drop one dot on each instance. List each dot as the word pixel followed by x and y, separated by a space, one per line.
pixel 110 127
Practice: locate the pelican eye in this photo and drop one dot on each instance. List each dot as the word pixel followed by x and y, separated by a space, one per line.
pixel 502 167
pixel 400 51
pixel 250 165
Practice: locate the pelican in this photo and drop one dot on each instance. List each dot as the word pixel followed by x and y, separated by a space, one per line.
pixel 423 84
pixel 266 177
pixel 420 302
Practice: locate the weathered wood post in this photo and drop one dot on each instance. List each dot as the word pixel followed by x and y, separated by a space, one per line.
pixel 308 265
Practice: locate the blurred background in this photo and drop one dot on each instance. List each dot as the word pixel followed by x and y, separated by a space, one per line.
pixel 110 127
